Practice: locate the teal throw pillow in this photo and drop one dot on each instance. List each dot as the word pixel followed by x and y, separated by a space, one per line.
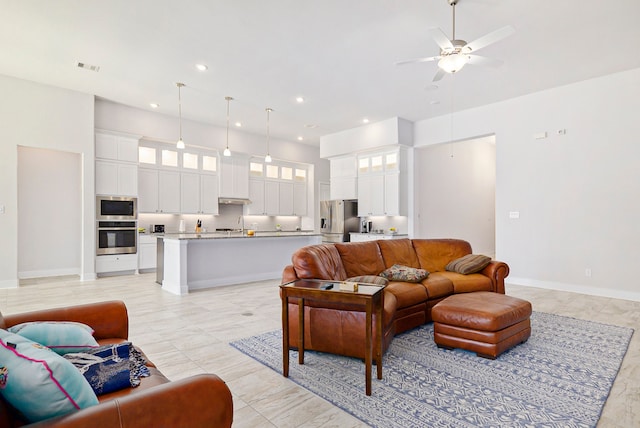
pixel 38 382
pixel 61 336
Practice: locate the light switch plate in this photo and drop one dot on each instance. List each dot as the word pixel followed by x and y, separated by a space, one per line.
pixel 514 214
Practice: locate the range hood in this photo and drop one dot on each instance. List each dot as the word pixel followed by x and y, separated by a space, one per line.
pixel 234 201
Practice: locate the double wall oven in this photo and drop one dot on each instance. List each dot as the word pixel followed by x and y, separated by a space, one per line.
pixel 117 225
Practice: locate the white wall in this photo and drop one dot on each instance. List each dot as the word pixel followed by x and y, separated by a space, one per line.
pixel 34 115
pixel 457 183
pixel 50 207
pixel 577 194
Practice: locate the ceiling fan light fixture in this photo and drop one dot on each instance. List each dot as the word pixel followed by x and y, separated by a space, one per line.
pixel 453 62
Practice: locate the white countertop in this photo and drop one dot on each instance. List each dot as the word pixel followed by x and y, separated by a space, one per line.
pixel 234 235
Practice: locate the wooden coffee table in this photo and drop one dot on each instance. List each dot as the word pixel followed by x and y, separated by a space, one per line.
pixel 369 296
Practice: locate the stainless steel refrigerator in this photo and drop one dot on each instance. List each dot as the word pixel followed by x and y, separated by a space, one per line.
pixel 337 219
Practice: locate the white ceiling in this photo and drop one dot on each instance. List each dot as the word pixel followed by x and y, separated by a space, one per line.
pixel 338 54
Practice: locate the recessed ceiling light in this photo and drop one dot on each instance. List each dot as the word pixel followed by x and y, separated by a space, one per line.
pixel 365 120
pixel 202 67
pixel 238 124
pixel 300 138
pixel 299 100
pixel 154 105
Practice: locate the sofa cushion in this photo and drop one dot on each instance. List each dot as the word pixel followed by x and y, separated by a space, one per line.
pixel 468 283
pixel 435 254
pixel 319 261
pixel 437 285
pixel 404 273
pixel 471 263
pixel 398 251
pixel 360 258
pixel 38 382
pixel 60 336
pixel 407 293
pixel 369 279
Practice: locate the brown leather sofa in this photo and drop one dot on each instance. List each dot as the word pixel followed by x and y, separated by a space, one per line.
pixel 199 401
pixel 339 329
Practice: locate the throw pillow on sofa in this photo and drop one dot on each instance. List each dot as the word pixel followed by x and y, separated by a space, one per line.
pixel 61 336
pixel 404 273
pixel 369 279
pixel 471 263
pixel 38 382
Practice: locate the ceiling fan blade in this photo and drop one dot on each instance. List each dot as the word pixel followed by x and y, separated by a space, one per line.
pixel 488 39
pixel 484 61
pixel 439 75
pixel 417 60
pixel 441 39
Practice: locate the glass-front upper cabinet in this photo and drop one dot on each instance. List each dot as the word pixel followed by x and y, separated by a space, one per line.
pixel 301 174
pixel 169 158
pixel 273 171
pixel 391 161
pixel 256 169
pixel 209 163
pixel 286 173
pixel 147 155
pixel 190 160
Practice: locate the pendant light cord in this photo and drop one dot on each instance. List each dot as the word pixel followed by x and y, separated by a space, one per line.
pixel 228 101
pixel 180 109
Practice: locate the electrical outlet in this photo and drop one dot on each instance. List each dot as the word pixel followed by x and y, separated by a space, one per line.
pixel 587 272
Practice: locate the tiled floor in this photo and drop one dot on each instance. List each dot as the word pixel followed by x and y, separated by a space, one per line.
pixel 185 335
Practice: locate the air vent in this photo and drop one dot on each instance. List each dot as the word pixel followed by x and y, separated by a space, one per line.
pixel 89 67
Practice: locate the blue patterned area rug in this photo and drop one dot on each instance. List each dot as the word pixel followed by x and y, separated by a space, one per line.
pixel 561 377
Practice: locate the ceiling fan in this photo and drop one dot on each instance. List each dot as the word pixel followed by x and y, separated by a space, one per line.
pixel 456 53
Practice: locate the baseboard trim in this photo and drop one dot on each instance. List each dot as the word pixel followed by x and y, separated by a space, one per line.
pixel 47 273
pixel 9 283
pixel 575 288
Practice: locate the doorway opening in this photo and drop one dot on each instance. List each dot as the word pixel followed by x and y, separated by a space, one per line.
pixel 456 192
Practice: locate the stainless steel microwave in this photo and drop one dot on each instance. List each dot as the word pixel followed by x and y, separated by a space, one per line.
pixel 116 208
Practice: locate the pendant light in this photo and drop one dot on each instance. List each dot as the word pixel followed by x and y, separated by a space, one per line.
pixel 180 143
pixel 267 158
pixel 227 152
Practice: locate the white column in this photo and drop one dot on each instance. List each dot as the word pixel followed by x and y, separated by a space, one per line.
pixel 175 266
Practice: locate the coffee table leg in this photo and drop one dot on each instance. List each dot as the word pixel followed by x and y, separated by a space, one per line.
pixel 301 330
pixel 285 334
pixel 379 335
pixel 368 349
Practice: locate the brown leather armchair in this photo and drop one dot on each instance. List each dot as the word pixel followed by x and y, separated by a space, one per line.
pixel 198 401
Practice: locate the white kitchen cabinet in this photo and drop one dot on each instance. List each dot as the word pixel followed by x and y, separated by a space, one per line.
pixel 300 199
pixel 343 173
pixel 234 177
pixel 365 237
pixel 116 263
pixel 382 184
pixel 158 191
pixel 189 193
pixel 116 178
pixel 116 147
pixel 286 198
pixel 370 195
pixel 272 197
pixel 257 197
pixel 116 169
pixel 209 194
pixel 147 252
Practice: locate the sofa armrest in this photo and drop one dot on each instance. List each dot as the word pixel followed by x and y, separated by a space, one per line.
pixel 497 272
pixel 108 319
pixel 198 401
pixel 289 274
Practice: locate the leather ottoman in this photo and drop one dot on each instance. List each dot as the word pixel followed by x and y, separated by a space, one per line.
pixel 483 322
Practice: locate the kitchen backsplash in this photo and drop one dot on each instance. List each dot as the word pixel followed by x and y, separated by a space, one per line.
pixel 228 218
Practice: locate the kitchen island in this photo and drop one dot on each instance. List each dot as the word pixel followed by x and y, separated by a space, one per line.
pixel 192 261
